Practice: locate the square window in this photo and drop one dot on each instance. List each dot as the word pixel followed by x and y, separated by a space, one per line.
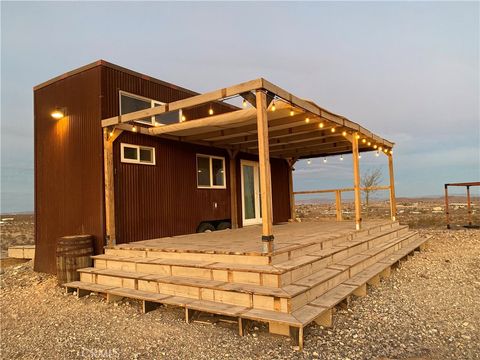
pixel 136 154
pixel 146 155
pixel 210 171
pixel 218 175
pixel 130 153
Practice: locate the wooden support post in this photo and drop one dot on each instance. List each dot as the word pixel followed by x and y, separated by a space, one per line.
pixel 446 207
pixel 356 182
pixel 469 209
pixel 265 173
pixel 82 293
pixel 108 139
pixel 361 291
pixel 338 204
pixel 374 281
pixel 243 326
pixel 296 333
pixel 279 329
pixel 393 201
pixel 233 189
pixel 291 162
pixel 325 319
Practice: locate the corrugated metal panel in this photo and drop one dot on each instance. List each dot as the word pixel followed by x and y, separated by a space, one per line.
pixel 68 165
pixel 163 200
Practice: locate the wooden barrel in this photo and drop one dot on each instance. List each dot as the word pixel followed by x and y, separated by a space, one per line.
pixel 73 253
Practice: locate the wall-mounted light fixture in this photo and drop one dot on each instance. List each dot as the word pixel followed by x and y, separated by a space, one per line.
pixel 58 113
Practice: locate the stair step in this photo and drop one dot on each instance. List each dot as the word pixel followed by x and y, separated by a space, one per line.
pixel 216 308
pixel 271 316
pixel 87 286
pixel 334 296
pixel 318 277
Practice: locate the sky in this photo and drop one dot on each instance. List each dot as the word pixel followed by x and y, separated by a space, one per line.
pixel 408 71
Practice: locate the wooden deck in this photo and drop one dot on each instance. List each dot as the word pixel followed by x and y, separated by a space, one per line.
pixel 315 267
pixel 247 240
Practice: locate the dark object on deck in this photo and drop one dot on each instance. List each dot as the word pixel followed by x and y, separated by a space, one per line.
pixel 469 207
pixel 224 225
pixel 73 253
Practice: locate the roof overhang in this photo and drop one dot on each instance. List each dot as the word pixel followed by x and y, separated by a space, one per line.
pixel 297 128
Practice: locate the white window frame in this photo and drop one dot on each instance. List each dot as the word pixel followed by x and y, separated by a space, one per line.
pixel 152 105
pixel 137 160
pixel 211 186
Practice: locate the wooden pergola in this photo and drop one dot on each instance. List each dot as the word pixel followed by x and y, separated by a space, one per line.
pixel 273 123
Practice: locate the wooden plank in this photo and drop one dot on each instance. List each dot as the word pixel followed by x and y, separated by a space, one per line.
pixel 356 182
pixel 270 316
pixel 338 205
pixel 109 192
pixel 447 214
pixel 334 296
pixel 217 308
pixel 265 173
pixel 393 201
pixel 306 314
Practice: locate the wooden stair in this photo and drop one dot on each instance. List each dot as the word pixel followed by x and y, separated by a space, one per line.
pixel 288 295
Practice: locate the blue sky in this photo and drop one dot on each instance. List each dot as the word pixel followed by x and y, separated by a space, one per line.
pixel 408 71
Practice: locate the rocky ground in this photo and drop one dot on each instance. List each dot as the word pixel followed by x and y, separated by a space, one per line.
pixel 428 309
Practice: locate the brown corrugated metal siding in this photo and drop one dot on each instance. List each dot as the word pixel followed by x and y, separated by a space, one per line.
pixel 150 201
pixel 68 165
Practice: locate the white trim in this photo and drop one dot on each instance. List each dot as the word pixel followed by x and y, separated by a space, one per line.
pixel 211 186
pixel 137 160
pixel 256 190
pixel 152 105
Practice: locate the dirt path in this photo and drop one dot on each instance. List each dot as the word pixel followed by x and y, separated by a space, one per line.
pixel 429 308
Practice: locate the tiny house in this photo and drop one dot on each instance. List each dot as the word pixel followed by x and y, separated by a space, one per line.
pixel 162 186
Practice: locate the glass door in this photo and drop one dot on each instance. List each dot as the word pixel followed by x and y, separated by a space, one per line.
pixel 251 209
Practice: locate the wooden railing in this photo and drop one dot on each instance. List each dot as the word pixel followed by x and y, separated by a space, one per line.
pixel 338 196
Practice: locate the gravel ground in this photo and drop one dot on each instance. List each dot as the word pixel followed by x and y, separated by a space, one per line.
pixel 428 309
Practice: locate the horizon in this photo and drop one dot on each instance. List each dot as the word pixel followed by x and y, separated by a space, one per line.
pixel 409 72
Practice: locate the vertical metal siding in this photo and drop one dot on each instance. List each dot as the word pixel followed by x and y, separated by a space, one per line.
pixel 68 165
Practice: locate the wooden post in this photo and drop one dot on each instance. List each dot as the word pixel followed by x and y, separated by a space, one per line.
pixel 356 182
pixel 265 174
pixel 291 162
pixel 469 209
pixel 108 140
pixel 338 204
pixel 393 201
pixel 446 207
pixel 233 189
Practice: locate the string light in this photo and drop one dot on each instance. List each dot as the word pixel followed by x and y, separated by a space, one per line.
pixel 320 125
pixel 369 143
pixel 375 146
pixel 273 106
pixel 380 148
pixel 357 136
pixel 134 128
pixel 344 133
pixel 377 153
pixel 359 156
pixel 324 160
pixel 391 152
pixel 184 118
pixel 244 103
pixel 210 111
pixel 341 157
pixel 111 133
pixel 157 123
pixel 292 112
pixel 307 120
pixel 385 151
pixel 332 129
pixel 364 141
pixel 309 161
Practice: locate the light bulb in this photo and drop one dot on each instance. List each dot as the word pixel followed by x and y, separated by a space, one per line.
pixel 369 143
pixel 134 128
pixel 377 153
pixel 332 129
pixel 244 103
pixel 210 111
pixel 391 151
pixel 324 160
pixel 364 141
pixel 292 112
pixel 320 125
pixel 309 161
pixel 111 133
pixel 341 157
pixel 307 120
pixel 357 136
pixel 157 123
pixel 375 146
pixel 344 133
pixel 380 148
pixel 385 151
pixel 274 107
pixel 184 118
pixel 359 156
